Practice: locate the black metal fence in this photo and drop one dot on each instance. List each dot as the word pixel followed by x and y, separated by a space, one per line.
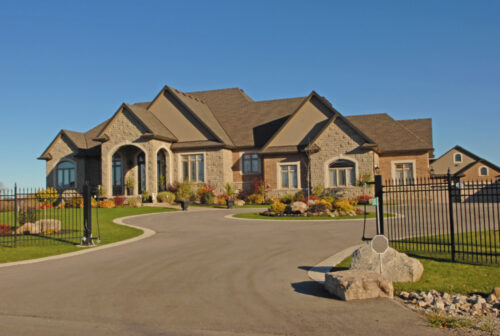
pixel 44 216
pixel 443 217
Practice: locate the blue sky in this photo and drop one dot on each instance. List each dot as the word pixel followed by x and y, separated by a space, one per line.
pixel 70 64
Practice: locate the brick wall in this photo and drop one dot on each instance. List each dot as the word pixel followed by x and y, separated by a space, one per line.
pixel 420 160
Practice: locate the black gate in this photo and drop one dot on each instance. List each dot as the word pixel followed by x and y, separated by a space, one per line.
pixel 442 217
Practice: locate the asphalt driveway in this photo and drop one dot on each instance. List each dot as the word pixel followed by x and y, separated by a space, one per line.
pixel 201 274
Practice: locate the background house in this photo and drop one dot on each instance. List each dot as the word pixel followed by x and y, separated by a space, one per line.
pixel 222 136
pixel 461 162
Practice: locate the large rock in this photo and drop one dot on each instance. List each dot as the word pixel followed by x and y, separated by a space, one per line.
pixel 40 226
pixel 239 202
pixel 298 207
pixel 358 284
pixel 396 266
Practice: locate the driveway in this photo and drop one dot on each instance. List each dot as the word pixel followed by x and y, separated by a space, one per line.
pixel 201 274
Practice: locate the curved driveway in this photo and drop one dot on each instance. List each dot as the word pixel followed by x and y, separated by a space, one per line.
pixel 201 274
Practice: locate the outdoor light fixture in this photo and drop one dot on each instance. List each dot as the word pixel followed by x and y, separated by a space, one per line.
pixel 377 170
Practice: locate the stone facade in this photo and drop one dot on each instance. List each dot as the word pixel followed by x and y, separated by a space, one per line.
pixel 340 141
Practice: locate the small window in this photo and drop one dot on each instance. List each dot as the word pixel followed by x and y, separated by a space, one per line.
pixel 65 173
pixel 250 164
pixel 458 158
pixel 289 178
pixel 342 173
pixel 193 168
pixel 483 171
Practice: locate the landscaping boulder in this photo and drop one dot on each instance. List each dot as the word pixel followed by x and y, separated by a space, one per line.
pixel 396 266
pixel 298 207
pixel 358 284
pixel 239 202
pixel 49 225
pixel 31 228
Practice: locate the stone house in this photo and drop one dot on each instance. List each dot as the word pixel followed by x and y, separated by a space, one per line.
pixel 222 136
pixel 467 165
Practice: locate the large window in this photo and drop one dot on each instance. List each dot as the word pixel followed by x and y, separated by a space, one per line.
pixel 65 173
pixel 141 172
pixel 193 168
pixel 161 170
pixel 404 172
pixel 342 173
pixel 250 164
pixel 117 175
pixel 289 176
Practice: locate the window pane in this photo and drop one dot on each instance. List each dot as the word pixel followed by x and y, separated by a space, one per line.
pixel 255 166
pixel 192 175
pixel 185 172
pixel 293 177
pixel 72 176
pixel 246 166
pixel 333 177
pixel 201 171
pixel 284 178
pixel 60 178
pixel 342 177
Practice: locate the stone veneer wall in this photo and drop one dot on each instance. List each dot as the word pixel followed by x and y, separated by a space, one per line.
pixel 60 150
pixel 340 141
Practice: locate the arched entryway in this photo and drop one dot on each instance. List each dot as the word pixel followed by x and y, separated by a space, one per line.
pixel 128 170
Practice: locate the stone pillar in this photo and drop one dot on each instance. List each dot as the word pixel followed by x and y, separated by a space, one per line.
pixel 151 178
pixel 106 173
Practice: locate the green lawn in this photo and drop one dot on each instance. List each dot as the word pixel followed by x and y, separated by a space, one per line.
pixel 110 232
pixel 257 215
pixel 447 277
pixel 246 206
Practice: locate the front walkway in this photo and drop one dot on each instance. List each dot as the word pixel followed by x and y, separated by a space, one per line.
pixel 201 274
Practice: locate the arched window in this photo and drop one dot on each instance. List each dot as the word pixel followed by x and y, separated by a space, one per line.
pixel 483 171
pixel 65 174
pixel 341 173
pixel 161 170
pixel 458 158
pixel 117 175
pixel 141 172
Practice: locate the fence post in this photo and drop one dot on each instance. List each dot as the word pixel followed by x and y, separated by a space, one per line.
pixel 452 219
pixel 87 215
pixel 15 215
pixel 379 195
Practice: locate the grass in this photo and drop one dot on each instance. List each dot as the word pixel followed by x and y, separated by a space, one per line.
pixel 441 321
pixel 110 233
pixel 447 277
pixel 246 206
pixel 257 215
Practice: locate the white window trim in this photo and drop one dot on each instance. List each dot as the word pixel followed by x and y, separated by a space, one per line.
pixel 395 162
pixel 326 170
pixel 179 165
pixel 259 171
pixel 479 171
pixel 454 157
pixel 76 171
pixel 278 174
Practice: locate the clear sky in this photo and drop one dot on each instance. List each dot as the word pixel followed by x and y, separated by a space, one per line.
pixel 70 64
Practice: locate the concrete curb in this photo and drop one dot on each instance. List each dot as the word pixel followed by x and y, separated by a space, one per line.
pixel 317 273
pixel 146 233
pixel 296 220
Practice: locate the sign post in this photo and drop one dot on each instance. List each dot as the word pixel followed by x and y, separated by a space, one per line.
pixel 380 244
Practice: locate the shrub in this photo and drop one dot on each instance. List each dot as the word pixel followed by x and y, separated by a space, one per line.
pixel 229 190
pixel 107 204
pixel 206 195
pixel 134 202
pixel 277 207
pixel 353 202
pixel 221 201
pixel 287 199
pixel 299 196
pixel 365 178
pixel 343 205
pixel 242 195
pixel 314 198
pixel 329 199
pixel 318 190
pixel 271 200
pixel 184 191
pixel 6 206
pixel 259 187
pixel 364 199
pixel 75 202
pixel 46 206
pixel 320 206
pixel 166 197
pixel 172 187
pixel 5 229
pixel 28 216
pixel 146 197
pixel 255 199
pixel 120 200
pixel 47 196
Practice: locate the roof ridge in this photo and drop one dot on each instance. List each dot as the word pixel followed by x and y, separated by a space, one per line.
pixel 279 99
